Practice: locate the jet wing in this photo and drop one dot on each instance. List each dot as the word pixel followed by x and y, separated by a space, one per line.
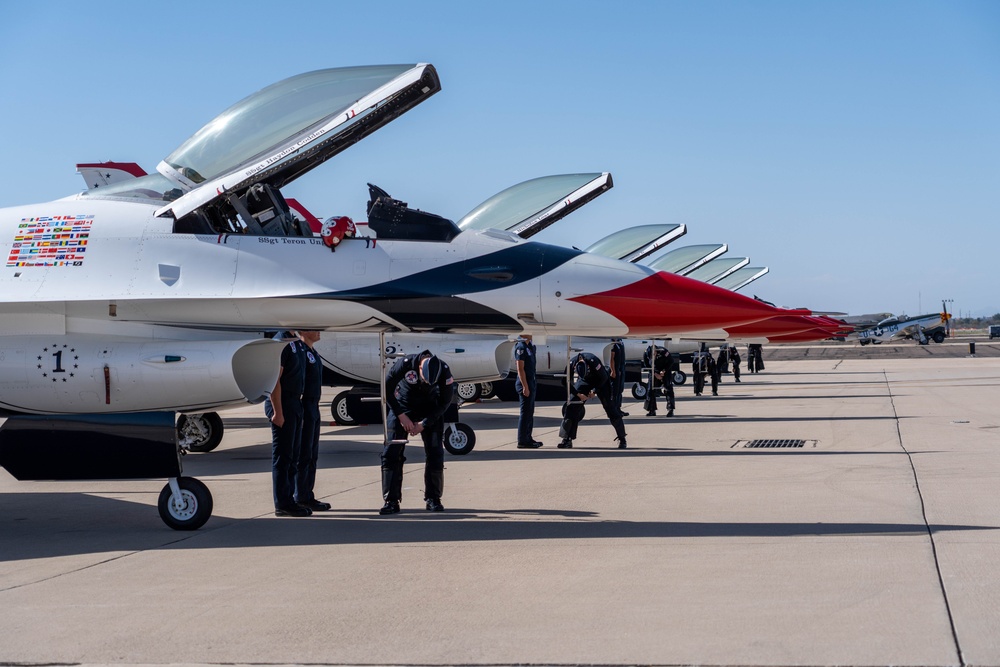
pixel 529 207
pixel 279 133
pixel 635 243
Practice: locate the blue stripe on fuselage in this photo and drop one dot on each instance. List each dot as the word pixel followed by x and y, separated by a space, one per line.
pixel 522 262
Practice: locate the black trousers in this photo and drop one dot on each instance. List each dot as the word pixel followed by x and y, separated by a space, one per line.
pixel 393 459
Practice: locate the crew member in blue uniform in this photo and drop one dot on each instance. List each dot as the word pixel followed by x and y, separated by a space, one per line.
pixel 592 379
pixel 617 369
pixel 418 389
pixel 284 410
pixel 525 385
pixel 305 476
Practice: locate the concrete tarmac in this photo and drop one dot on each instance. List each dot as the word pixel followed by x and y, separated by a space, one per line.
pixel 875 543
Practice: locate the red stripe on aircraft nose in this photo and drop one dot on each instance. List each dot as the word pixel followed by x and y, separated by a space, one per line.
pixel 836 327
pixel 668 303
pixel 801 337
pixel 773 326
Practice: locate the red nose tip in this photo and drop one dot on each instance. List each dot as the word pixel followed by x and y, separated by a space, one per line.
pixel 664 303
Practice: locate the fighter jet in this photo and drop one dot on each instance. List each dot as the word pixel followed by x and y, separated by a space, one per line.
pixel 134 301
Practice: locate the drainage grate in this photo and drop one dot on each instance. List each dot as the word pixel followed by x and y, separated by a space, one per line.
pixel 757 444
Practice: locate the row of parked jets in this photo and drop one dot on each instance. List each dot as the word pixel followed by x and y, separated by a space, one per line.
pixel 149 296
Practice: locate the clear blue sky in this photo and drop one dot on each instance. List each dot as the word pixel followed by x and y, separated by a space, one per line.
pixel 852 147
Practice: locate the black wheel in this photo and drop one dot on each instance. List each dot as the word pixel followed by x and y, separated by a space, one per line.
pixel 938 337
pixel 487 390
pixel 191 510
pixel 469 392
pixel 680 377
pixel 200 433
pixel 638 391
pixel 459 438
pixel 341 414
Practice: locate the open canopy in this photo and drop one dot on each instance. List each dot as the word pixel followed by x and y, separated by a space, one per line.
pixel 717 269
pixel 683 261
pixel 529 207
pixel 635 243
pixel 279 133
pixel 740 278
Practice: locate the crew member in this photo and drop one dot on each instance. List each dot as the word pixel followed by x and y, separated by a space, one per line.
pixel 722 361
pixel 755 357
pixel 592 379
pixel 418 389
pixel 713 372
pixel 734 360
pixel 699 369
pixel 661 376
pixel 305 476
pixel 525 385
pixel 617 370
pixel 284 410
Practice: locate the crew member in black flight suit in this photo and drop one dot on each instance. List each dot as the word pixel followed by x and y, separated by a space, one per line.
pixel 617 369
pixel 419 388
pixel 592 379
pixel 526 386
pixel 713 372
pixel 305 476
pixel 284 410
pixel 722 362
pixel 661 378
pixel 734 361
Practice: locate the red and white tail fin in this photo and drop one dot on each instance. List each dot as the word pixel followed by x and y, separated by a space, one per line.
pixel 98 174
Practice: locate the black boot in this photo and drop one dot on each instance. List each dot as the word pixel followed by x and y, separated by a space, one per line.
pixel 620 433
pixel 434 489
pixel 392 487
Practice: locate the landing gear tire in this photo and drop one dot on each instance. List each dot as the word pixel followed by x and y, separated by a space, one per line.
pixel 638 391
pixel 201 432
pixel 487 390
pixel 938 337
pixel 191 510
pixel 459 439
pixel 341 414
pixel 864 342
pixel 680 377
pixel 469 392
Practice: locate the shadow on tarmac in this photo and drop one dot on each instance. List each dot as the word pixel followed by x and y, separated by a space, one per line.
pixel 46 525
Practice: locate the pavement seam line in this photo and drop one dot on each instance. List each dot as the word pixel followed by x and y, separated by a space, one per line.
pixel 93 565
pixel 927 526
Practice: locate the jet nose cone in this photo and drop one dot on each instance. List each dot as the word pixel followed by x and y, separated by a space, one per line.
pixel 664 303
